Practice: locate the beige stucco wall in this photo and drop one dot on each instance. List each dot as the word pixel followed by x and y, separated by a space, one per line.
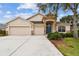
pixel 54 27
pixel 67 27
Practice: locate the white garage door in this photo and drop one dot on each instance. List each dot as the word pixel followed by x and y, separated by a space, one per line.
pixel 19 30
pixel 39 30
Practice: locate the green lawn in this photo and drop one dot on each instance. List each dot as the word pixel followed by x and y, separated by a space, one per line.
pixel 72 48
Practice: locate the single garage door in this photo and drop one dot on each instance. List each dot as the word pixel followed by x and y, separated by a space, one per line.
pixel 39 30
pixel 20 30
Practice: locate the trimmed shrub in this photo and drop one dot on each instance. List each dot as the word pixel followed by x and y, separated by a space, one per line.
pixel 69 34
pixel 49 34
pixel 54 36
pixel 62 34
pixel 3 33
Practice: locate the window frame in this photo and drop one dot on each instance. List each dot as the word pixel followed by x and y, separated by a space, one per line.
pixel 61 29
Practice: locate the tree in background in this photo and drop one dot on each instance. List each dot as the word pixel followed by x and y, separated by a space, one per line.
pixel 73 7
pixel 49 8
pixel 67 19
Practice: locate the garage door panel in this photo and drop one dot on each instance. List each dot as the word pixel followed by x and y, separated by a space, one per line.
pixel 20 30
pixel 39 30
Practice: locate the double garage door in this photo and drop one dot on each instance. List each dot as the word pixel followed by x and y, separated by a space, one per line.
pixel 23 30
pixel 19 30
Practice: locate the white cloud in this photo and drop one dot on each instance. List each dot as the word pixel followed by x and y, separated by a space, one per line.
pixel 8 12
pixel 28 6
pixel 23 15
pixel 8 16
pixel 11 17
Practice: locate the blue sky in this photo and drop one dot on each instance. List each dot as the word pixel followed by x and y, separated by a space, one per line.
pixel 9 11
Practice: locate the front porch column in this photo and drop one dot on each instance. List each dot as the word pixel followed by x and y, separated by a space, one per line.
pixel 44 27
pixel 54 27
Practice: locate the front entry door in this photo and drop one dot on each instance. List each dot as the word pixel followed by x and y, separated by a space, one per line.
pixel 48 27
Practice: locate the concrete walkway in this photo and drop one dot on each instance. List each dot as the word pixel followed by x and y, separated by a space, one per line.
pixel 28 46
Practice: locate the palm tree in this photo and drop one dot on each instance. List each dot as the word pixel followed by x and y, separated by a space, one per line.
pixel 42 7
pixel 73 7
pixel 51 8
pixel 67 19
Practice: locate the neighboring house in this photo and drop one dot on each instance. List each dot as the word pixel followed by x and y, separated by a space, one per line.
pixel 2 26
pixel 36 25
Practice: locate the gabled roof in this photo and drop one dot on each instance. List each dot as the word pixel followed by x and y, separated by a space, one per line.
pixel 37 15
pixel 43 18
pixel 15 19
pixel 26 19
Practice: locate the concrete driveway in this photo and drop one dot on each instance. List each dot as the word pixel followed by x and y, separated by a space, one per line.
pixel 27 46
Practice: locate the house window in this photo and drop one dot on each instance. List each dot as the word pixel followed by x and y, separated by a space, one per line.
pixel 61 29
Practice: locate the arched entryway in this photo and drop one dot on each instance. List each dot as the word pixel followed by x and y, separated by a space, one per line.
pixel 48 27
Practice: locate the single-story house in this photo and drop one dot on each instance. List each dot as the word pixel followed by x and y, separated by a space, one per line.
pixel 36 25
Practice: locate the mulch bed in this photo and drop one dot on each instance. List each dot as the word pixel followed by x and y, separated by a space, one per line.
pixel 58 43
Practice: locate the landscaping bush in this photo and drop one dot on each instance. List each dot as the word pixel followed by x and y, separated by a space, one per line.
pixel 49 35
pixel 54 36
pixel 3 33
pixel 69 34
pixel 63 35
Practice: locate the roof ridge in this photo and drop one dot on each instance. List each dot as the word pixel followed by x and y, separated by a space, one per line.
pixel 18 17
pixel 35 15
